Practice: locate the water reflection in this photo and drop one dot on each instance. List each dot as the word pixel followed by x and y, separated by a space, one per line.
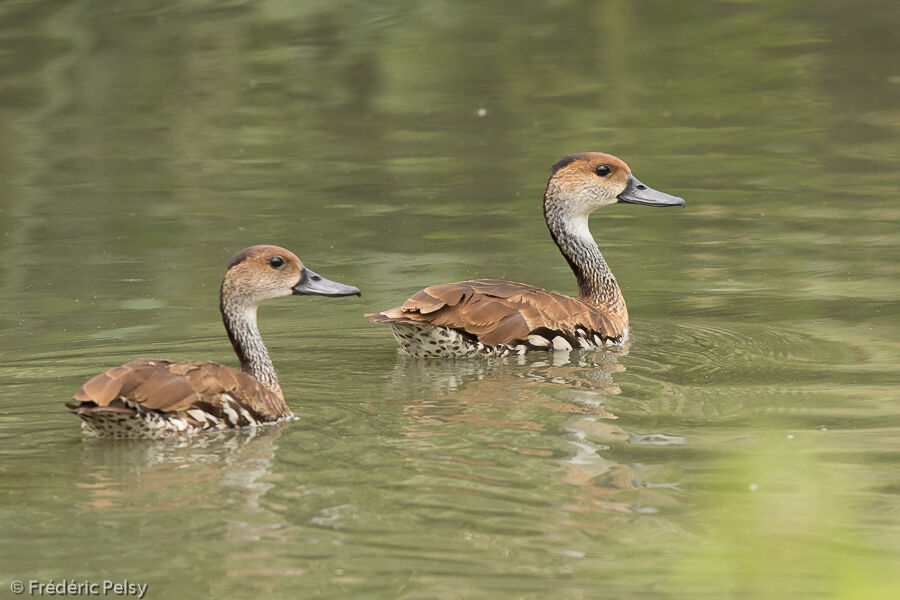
pixel 499 394
pixel 170 472
pixel 599 479
pixel 578 369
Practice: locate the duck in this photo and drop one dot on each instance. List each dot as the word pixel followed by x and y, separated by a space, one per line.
pixel 154 397
pixel 497 317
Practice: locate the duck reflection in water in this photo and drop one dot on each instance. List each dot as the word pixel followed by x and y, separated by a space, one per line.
pixel 509 394
pixel 180 471
pixel 190 490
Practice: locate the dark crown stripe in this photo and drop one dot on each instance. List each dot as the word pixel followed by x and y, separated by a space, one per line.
pixel 240 257
pixel 565 160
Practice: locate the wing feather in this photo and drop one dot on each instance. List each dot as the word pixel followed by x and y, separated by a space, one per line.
pixel 503 312
pixel 171 387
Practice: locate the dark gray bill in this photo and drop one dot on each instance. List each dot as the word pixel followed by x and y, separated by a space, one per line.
pixel 313 284
pixel 638 193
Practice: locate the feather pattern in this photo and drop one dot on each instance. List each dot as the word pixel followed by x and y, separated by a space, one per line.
pixel 496 312
pixel 173 388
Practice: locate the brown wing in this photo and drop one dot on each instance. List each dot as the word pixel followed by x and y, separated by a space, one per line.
pixel 503 312
pixel 169 386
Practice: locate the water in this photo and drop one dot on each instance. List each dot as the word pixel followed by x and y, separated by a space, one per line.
pixel 744 445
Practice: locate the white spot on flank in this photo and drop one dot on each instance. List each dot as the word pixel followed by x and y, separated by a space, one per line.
pixel 560 343
pixel 246 414
pixel 197 414
pixel 230 413
pixel 482 112
pixel 537 340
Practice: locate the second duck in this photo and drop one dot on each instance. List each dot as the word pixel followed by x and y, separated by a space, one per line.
pixel 495 317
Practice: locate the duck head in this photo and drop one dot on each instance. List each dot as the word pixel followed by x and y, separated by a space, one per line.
pixel 588 181
pixel 261 273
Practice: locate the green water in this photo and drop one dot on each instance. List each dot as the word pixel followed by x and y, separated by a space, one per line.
pixel 746 443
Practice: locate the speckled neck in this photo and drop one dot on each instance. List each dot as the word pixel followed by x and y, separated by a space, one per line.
pixel 596 283
pixel 239 316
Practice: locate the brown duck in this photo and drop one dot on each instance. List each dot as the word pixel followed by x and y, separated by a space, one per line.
pixel 495 317
pixel 156 397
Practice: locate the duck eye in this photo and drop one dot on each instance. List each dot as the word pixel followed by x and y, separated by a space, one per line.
pixel 276 262
pixel 603 170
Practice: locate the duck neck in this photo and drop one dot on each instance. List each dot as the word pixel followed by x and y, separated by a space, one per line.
pixel 239 316
pixel 597 285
